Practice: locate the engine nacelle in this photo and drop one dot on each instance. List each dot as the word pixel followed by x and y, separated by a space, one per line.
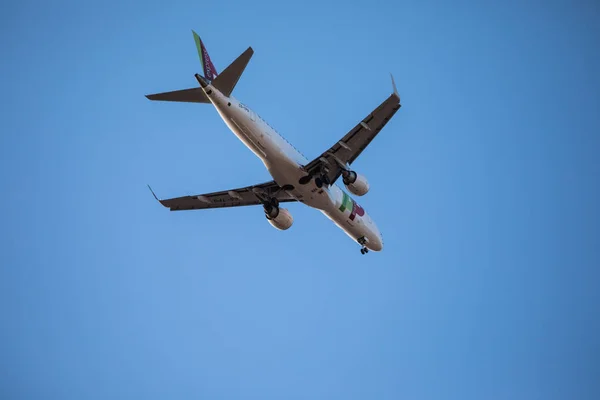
pixel 356 183
pixel 280 218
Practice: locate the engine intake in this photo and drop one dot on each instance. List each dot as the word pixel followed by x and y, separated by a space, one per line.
pixel 279 218
pixel 356 183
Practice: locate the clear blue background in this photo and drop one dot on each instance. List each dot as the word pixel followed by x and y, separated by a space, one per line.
pixel 485 185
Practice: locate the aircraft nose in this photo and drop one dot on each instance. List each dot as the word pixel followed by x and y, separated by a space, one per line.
pixel 375 243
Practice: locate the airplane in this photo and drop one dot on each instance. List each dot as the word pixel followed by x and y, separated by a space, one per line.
pixel 295 178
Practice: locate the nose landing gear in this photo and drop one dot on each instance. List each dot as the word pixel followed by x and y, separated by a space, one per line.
pixel 362 241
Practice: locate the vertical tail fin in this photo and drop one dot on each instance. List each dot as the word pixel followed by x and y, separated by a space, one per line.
pixel 230 75
pixel 210 72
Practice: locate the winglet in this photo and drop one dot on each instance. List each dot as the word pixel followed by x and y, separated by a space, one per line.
pixel 153 194
pixel 394 86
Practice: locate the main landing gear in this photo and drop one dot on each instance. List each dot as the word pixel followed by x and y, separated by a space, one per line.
pixel 271 207
pixel 362 242
pixel 320 180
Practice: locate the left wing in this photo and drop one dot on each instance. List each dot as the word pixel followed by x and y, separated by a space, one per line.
pixel 346 150
pixel 247 196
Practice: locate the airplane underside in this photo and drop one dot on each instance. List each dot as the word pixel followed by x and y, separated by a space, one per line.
pixel 295 178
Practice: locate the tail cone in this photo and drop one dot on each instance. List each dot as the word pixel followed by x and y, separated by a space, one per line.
pixel 201 80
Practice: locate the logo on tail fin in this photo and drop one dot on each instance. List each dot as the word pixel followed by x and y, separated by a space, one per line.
pixel 210 72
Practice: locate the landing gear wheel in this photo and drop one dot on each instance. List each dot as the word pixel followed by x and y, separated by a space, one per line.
pixel 364 250
pixel 319 182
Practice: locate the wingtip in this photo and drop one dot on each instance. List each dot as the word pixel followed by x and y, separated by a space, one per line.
pixel 153 194
pixel 394 86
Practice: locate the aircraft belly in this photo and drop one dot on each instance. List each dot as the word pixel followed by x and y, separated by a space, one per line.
pixel 287 171
pixel 245 135
pixel 353 231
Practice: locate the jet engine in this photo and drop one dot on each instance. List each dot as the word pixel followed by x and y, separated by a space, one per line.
pixel 356 183
pixel 280 218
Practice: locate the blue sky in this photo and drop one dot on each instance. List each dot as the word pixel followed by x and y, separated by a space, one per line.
pixel 485 185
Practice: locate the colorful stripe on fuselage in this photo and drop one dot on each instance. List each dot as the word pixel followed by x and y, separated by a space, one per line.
pixel 350 204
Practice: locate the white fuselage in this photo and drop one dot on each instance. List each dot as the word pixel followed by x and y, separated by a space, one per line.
pixel 285 164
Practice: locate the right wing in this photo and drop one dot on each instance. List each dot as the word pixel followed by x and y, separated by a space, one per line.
pixel 346 150
pixel 247 196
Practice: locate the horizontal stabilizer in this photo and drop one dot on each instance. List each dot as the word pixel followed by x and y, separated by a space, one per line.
pixel 227 79
pixel 193 95
pixel 224 82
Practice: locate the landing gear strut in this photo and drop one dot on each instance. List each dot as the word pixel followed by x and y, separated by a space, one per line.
pixel 271 207
pixel 362 242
